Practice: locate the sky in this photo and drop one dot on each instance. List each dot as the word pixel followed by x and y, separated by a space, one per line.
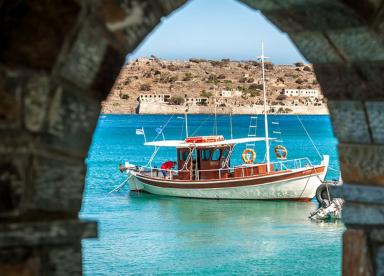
pixel 216 29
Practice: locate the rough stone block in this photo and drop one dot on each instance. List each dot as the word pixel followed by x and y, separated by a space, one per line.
pixel 13 177
pixel 56 185
pixel 80 65
pixel 19 261
pixel 45 233
pixel 358 44
pixel 359 193
pixel 131 21
pixel 377 234
pixel 70 121
pixel 36 101
pixel 64 260
pixel 380 261
pixel 10 103
pixel 356 255
pixel 349 121
pixel 363 214
pixel 297 18
pixel 375 111
pixel 33 32
pixel 265 5
pixel 362 164
pixel 350 81
pixel 316 47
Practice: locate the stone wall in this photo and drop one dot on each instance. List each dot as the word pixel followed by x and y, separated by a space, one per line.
pixel 162 108
pixel 58 59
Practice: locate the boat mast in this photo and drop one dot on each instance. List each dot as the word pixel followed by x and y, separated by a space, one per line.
pixel 215 125
pixel 186 124
pixel 265 110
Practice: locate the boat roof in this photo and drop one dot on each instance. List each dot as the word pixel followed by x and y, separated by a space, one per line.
pixel 183 144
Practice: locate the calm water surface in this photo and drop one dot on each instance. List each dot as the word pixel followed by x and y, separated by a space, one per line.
pixel 148 234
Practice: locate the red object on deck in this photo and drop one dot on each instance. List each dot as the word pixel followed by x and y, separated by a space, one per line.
pixel 204 139
pixel 167 165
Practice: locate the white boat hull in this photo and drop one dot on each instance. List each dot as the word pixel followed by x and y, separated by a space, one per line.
pixel 296 188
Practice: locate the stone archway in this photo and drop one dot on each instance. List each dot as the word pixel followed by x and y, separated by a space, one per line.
pixel 59 59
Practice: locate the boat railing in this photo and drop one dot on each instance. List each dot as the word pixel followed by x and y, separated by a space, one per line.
pixel 244 169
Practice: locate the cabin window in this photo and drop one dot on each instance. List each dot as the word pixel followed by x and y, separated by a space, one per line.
pixel 180 155
pixel 194 154
pixel 216 155
pixel 205 154
pixel 185 155
pixel 225 153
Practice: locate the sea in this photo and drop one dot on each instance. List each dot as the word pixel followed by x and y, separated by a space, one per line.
pixel 144 234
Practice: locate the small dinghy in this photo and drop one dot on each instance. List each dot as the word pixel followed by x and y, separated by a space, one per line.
pixel 329 209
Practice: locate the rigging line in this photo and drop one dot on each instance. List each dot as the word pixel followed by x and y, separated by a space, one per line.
pixel 313 144
pixel 162 129
pixel 182 131
pixel 201 125
pixel 118 187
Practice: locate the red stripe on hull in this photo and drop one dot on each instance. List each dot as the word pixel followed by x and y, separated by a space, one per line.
pixel 229 183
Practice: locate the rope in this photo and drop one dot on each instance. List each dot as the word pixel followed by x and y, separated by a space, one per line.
pixel 162 129
pixel 310 139
pixel 201 125
pixel 120 185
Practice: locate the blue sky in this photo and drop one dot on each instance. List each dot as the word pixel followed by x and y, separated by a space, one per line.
pixel 216 29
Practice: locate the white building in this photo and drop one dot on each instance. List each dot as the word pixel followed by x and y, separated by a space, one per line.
pixel 229 93
pixel 301 92
pixel 154 98
pixel 196 100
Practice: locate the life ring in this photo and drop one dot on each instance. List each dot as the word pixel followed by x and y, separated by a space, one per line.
pixel 281 152
pixel 248 156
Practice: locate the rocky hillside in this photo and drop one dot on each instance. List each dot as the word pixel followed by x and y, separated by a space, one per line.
pixel 198 78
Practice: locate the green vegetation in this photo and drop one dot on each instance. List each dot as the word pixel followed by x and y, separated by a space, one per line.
pixel 145 87
pixel 187 76
pixel 124 96
pixel 212 79
pixel 205 94
pixel 176 100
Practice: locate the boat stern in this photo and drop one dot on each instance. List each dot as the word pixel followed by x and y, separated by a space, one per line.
pixel 325 163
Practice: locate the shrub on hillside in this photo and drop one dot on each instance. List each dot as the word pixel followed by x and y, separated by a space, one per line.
pixel 255 86
pixel 281 97
pixel 212 79
pixel 299 64
pixel 124 96
pixel 172 67
pixel 187 76
pixel 176 100
pixel 145 87
pixel 205 94
pixel 307 68
pixel 268 65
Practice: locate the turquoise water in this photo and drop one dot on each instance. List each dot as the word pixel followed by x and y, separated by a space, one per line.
pixel 148 234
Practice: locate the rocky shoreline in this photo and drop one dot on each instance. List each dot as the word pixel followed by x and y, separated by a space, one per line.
pixel 197 86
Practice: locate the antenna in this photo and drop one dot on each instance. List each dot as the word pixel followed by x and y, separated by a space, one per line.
pixel 230 121
pixel 262 57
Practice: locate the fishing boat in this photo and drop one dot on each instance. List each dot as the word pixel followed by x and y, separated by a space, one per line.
pixel 203 169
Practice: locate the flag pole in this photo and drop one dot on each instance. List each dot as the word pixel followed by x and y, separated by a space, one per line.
pixel 145 138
